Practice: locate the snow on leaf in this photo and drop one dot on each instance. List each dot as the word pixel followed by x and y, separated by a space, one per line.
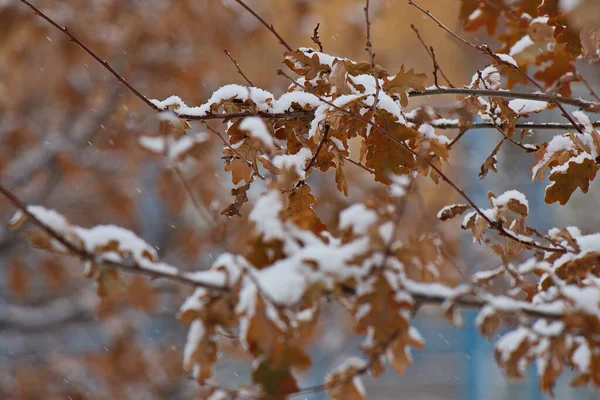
pixel 512 349
pixel 343 383
pixel 358 218
pixel 452 210
pixel 488 321
pixel 577 172
pixel 265 216
pixel 523 107
pixel 512 200
pixel 507 59
pixel 200 352
pixel 257 129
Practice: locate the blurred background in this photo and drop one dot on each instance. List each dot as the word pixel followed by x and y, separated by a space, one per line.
pixel 68 134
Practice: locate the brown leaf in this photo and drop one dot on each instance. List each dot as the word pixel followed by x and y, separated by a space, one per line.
pixel 490 161
pixel 201 351
pixel 476 224
pixel 452 211
pixel 398 351
pixel 110 283
pixel 476 14
pixel 344 383
pixel 300 209
pixel 385 156
pixel 306 65
pixel 403 82
pixel 337 78
pixel 17 279
pixel 488 322
pixel 140 293
pixel 276 380
pixel 576 173
pixel 241 198
pixel 240 170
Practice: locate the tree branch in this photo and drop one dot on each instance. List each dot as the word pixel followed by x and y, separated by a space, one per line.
pixel 485 50
pixel 270 27
pixel 154 271
pixel 492 224
pixel 575 102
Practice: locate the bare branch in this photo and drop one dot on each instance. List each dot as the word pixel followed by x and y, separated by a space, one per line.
pixel 239 70
pixel 576 102
pixel 104 63
pixel 266 24
pixel 436 66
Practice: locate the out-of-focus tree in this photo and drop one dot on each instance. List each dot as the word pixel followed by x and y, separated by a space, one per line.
pixel 334 186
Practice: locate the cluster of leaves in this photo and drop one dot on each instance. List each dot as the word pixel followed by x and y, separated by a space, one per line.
pixel 269 294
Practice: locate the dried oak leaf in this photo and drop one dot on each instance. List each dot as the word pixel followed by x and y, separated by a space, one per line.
pixel 340 177
pixel 476 224
pixel 561 63
pixel 398 352
pixel 564 32
pixel 305 65
pixel 201 350
pixel 475 14
pixel 17 279
pixel 490 161
pixel 576 173
pixel 385 156
pixel 488 322
pixel 379 311
pixel 110 284
pixel 403 82
pixel 452 211
pixel 279 353
pixel 277 381
pixel 300 209
pixel 337 78
pixel 241 198
pixel 344 383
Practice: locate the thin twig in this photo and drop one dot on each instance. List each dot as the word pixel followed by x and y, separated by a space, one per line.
pixel 369 49
pixel 198 206
pixel 588 86
pixel 523 125
pixel 266 24
pixel 358 164
pixel 104 63
pixel 576 102
pixel 239 70
pixel 313 160
pixel 436 66
pixel 316 39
